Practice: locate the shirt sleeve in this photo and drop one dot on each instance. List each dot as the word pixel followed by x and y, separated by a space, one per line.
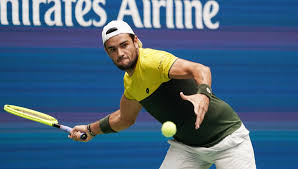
pixel 127 95
pixel 164 63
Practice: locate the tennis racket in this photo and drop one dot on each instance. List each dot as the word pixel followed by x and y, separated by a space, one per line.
pixel 38 117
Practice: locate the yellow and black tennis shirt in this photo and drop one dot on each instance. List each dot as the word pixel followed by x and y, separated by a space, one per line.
pixel 159 95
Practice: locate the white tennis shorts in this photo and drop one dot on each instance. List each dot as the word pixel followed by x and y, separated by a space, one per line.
pixel 233 152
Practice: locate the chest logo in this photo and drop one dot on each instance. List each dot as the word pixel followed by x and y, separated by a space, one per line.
pixel 147 90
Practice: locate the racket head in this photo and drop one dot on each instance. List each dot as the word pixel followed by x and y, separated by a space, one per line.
pixel 31 114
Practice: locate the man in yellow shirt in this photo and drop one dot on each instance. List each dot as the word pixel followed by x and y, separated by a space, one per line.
pixel 173 89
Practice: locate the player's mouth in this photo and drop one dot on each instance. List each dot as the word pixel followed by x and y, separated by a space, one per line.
pixel 122 60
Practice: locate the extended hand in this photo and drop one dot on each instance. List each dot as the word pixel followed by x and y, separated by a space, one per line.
pixel 200 103
pixel 77 131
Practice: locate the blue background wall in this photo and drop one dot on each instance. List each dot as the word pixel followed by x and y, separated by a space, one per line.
pixel 65 72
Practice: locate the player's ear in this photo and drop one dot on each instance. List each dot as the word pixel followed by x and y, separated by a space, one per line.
pixel 135 42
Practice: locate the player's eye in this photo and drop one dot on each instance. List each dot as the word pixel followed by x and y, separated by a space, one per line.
pixel 124 45
pixel 112 50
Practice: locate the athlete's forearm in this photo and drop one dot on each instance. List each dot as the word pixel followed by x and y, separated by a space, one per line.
pixel 115 121
pixel 202 75
pixel 184 69
pixel 118 123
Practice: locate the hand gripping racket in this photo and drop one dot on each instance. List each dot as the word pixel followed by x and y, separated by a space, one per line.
pixel 38 117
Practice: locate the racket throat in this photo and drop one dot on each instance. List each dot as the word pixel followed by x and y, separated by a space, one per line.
pixel 56 125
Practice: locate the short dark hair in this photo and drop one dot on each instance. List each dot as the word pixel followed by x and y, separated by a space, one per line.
pixel 132 36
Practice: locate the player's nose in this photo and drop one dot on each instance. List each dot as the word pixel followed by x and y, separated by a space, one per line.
pixel 120 53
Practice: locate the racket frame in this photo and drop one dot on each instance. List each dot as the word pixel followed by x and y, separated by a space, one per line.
pixel 39 117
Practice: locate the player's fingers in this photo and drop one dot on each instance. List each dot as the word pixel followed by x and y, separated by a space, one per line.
pixel 197 124
pixel 204 110
pixel 77 129
pixel 202 116
pixel 188 98
pixel 71 133
pixel 199 116
pixel 76 136
pixel 197 112
pixel 183 96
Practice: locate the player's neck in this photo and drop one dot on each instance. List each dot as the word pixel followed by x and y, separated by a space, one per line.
pixel 130 72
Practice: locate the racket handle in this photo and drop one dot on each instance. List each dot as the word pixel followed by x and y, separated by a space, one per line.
pixel 68 129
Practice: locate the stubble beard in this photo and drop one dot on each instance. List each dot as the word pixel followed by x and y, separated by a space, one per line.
pixel 131 65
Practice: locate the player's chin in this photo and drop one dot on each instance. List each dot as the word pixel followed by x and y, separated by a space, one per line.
pixel 124 66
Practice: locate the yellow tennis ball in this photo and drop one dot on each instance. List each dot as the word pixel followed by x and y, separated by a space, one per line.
pixel 168 129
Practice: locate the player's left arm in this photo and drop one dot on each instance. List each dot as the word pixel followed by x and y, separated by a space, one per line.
pixel 184 69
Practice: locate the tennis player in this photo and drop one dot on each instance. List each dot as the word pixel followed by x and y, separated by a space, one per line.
pixel 173 89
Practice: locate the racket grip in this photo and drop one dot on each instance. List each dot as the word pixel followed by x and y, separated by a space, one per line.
pixel 68 129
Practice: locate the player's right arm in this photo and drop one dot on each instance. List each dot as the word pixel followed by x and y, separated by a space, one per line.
pixel 122 118
pixel 118 120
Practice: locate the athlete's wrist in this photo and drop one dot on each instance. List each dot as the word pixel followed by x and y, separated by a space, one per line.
pixel 205 90
pixel 90 130
pixel 104 125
